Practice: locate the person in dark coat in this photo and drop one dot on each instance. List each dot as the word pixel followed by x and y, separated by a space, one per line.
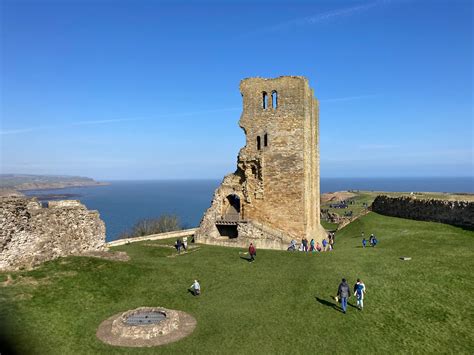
pixel 178 245
pixel 304 241
pixel 343 293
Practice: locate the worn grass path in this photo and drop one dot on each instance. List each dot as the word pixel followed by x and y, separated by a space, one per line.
pixel 281 303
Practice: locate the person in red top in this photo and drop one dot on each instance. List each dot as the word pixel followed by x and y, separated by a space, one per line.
pixel 252 252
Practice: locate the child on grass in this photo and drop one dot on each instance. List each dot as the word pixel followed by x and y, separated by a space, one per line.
pixel 359 291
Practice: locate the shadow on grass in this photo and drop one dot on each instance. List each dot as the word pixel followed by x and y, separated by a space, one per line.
pixel 247 259
pixel 350 304
pixel 191 291
pixel 328 304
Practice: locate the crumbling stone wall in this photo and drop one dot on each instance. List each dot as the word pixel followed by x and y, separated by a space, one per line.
pixel 277 176
pixel 31 234
pixel 458 213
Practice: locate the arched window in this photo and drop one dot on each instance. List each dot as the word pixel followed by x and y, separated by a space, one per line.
pixel 265 140
pixel 274 99
pixel 264 100
pixel 258 143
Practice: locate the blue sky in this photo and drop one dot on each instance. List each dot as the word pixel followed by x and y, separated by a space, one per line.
pixel 150 89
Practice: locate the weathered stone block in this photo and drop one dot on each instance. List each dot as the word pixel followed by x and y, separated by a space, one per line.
pixel 30 234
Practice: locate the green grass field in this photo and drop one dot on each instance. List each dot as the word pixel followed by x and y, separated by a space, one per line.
pixel 281 303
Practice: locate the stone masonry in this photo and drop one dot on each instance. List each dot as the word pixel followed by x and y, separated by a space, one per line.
pixel 457 213
pixel 31 234
pixel 273 197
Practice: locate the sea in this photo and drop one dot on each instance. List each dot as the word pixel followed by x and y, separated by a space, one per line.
pixel 122 203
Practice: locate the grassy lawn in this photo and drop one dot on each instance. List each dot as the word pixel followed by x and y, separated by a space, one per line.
pixel 329 226
pixel 281 303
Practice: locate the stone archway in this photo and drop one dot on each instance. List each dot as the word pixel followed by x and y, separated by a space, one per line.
pixel 231 208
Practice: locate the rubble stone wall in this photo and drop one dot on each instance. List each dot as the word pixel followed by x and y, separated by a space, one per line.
pixel 458 213
pixel 31 234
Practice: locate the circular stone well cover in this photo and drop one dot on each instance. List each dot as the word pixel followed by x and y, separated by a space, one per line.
pixel 146 326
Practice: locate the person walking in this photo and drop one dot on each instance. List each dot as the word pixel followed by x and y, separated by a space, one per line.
pixel 252 252
pixel 311 246
pixel 359 292
pixel 343 292
pixel 178 245
pixel 364 242
pixel 185 243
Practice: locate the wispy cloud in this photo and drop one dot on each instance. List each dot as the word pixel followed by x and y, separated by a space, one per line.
pixel 94 122
pixel 116 120
pixel 349 98
pixel 323 16
pixel 205 111
pixel 16 131
pixel 378 146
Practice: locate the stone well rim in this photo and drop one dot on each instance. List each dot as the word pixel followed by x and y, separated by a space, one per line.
pixel 114 331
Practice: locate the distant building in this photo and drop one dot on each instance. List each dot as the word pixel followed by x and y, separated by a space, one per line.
pixel 273 197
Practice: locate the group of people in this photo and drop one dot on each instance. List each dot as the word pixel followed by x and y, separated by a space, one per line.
pixel 344 292
pixel 181 244
pixel 372 240
pixel 313 246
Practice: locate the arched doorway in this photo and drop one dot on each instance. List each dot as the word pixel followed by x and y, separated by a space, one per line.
pixel 230 217
pixel 231 208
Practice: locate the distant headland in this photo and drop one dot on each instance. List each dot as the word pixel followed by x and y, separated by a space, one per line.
pixel 13 184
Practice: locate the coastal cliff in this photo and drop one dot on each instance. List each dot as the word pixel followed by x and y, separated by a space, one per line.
pixel 13 184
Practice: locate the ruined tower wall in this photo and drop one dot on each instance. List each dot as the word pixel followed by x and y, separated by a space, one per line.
pixel 282 160
pixel 277 177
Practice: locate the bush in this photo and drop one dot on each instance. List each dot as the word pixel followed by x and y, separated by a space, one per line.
pixel 162 224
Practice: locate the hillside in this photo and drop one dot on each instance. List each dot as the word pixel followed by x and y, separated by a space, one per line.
pixel 21 182
pixel 343 206
pixel 281 303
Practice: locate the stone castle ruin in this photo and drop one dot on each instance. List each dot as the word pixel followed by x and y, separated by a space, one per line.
pixel 273 197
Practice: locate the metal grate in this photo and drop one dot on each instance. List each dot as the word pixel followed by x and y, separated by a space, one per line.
pixel 145 318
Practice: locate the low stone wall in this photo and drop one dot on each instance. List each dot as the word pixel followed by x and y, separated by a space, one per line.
pixel 31 234
pixel 262 236
pixel 159 236
pixel 458 213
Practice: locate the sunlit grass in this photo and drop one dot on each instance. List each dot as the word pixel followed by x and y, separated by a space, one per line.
pixel 281 303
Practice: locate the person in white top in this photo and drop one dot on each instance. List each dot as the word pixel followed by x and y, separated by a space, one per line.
pixel 196 288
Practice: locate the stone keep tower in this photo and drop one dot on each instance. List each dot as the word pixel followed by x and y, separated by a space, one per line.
pixel 273 196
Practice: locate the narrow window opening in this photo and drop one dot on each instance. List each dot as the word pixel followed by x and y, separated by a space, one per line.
pixel 265 140
pixel 264 100
pixel 274 99
pixel 258 143
pixel 254 172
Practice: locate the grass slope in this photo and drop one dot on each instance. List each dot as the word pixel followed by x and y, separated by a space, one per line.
pixel 281 303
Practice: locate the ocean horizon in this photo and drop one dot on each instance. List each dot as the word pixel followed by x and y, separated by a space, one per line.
pixel 122 203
